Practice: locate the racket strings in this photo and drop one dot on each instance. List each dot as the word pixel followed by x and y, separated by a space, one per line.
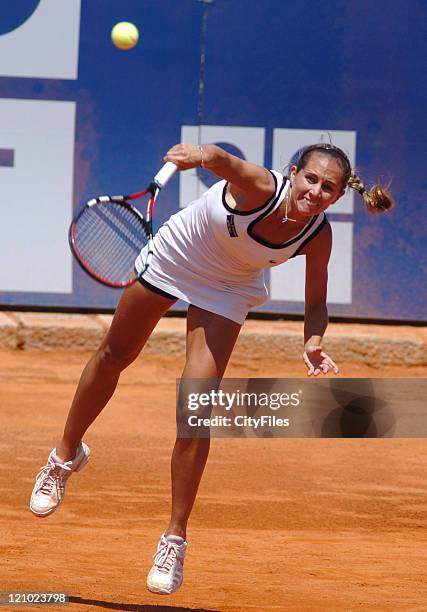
pixel 97 240
pixel 108 257
pixel 109 237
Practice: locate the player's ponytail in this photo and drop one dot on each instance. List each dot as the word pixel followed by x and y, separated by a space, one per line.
pixel 376 200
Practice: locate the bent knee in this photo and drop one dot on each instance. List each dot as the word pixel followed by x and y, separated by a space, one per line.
pixel 114 358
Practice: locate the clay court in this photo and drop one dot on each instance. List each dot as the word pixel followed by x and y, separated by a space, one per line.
pixel 294 107
pixel 279 524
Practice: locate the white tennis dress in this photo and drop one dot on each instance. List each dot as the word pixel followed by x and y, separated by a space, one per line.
pixel 207 255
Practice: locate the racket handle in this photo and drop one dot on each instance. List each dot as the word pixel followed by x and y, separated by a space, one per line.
pixel 165 174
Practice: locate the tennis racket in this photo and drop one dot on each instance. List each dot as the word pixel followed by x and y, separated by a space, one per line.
pixel 108 233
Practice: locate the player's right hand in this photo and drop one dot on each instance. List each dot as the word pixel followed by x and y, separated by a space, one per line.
pixel 185 156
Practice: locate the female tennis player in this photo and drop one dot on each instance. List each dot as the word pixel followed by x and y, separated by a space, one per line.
pixel 212 255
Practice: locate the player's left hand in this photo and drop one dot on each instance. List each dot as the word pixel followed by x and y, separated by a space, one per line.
pixel 318 361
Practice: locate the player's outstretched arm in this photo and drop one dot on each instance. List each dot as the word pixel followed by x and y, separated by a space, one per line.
pixel 249 184
pixel 316 312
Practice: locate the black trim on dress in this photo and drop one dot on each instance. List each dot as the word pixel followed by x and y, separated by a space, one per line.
pixel 270 208
pixel 283 245
pixel 254 210
pixel 307 240
pixel 156 289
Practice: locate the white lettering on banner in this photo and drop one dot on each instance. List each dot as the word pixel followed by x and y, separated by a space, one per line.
pixel 249 140
pixel 287 281
pixel 36 195
pixel 287 143
pixel 46 45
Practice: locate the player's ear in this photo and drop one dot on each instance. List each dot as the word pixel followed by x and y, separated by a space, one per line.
pixel 294 170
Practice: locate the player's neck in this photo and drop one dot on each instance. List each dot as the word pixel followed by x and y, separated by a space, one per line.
pixel 286 213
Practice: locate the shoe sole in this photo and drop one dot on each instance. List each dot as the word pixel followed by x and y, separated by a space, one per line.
pixel 44 514
pixel 160 591
pixel 79 467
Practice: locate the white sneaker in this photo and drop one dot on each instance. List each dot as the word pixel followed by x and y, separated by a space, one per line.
pixel 166 575
pixel 49 489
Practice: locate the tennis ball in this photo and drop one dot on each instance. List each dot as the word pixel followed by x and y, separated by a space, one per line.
pixel 124 35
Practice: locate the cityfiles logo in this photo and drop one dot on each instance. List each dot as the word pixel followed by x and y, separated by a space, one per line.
pixel 243 421
pixel 301 408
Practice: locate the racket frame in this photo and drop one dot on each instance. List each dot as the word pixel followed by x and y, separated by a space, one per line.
pixel 102 200
pixel 159 181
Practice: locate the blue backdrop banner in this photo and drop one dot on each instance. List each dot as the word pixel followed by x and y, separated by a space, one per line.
pixel 79 117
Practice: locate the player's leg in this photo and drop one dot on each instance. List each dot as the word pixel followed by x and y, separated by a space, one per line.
pixel 136 316
pixel 210 341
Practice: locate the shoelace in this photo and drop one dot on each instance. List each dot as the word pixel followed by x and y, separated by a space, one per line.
pixel 166 555
pixel 51 476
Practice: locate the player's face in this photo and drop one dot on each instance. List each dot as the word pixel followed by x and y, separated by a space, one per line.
pixel 317 186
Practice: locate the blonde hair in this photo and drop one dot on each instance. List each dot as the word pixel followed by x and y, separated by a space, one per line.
pixel 377 200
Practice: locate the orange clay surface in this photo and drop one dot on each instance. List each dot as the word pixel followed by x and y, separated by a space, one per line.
pixel 279 524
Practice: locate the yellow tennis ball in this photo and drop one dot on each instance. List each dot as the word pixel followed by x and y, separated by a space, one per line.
pixel 124 35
